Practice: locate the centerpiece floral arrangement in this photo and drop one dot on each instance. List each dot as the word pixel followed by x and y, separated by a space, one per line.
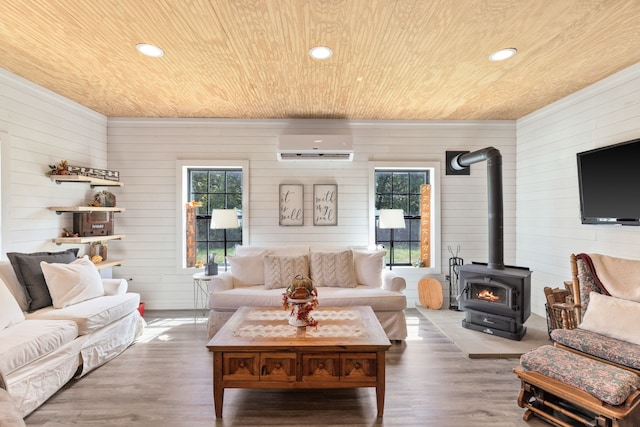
pixel 301 297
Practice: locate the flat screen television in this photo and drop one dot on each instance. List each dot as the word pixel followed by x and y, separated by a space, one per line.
pixel 609 181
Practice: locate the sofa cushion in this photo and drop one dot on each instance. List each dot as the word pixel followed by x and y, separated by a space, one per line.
pixel 9 276
pixel 621 352
pixel 10 312
pixel 613 317
pixel 72 283
pixel 280 270
pixel 333 269
pixel 29 274
pixel 10 416
pixel 92 314
pixel 377 298
pixel 30 340
pixel 368 266
pixel 248 270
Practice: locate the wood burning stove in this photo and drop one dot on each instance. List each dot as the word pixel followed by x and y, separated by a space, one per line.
pixel 496 299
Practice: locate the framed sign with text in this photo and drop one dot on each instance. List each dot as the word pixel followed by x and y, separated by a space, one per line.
pixel 325 204
pixel 291 204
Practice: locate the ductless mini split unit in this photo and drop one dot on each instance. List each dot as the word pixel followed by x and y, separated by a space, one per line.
pixel 315 147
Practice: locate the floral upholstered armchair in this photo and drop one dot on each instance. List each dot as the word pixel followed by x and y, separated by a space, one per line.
pixel 601 321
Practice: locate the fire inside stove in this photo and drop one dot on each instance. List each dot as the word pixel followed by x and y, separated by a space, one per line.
pixel 489 294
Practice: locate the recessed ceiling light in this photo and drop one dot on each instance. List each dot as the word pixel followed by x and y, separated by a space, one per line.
pixel 320 52
pixel 503 54
pixel 149 50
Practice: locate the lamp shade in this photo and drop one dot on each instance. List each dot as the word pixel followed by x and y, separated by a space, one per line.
pixel 391 218
pixel 224 218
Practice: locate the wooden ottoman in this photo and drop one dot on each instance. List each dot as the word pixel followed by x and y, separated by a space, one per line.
pixel 562 387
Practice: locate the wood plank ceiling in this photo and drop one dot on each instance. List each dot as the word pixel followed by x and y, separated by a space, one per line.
pixel 393 59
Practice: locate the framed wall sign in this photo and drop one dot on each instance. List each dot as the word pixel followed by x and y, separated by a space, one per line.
pixel 291 204
pixel 325 204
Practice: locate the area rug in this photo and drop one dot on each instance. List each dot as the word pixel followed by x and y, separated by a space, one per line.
pixel 479 345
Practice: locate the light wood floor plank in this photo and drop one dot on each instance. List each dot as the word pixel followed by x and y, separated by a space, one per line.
pixel 165 380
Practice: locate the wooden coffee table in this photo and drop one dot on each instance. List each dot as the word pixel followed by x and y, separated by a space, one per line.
pixel 257 348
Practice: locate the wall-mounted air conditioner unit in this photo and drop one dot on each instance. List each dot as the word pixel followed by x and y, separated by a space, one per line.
pixel 315 147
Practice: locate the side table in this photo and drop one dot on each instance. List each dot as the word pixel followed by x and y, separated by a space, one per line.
pixel 200 293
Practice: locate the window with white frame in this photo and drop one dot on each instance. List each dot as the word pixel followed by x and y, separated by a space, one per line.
pixel 210 187
pixel 215 189
pixel 413 190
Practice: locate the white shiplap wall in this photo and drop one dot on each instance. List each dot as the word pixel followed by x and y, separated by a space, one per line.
pixel 146 151
pixel 39 128
pixel 548 208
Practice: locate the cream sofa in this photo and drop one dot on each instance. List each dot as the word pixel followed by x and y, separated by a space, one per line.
pixel 343 277
pixel 41 349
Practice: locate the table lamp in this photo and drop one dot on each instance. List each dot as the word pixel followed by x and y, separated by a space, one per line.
pixel 391 219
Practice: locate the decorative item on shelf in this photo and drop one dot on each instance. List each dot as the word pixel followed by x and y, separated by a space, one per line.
pixel 98 250
pixel 211 268
pixel 301 297
pixel 107 174
pixel 103 199
pixel 67 233
pixel 61 168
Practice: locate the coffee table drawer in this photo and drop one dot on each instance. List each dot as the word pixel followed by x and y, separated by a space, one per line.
pixel 277 367
pixel 320 367
pixel 358 367
pixel 241 366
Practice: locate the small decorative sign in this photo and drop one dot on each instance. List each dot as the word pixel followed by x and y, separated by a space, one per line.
pixel 107 174
pixel 291 204
pixel 325 204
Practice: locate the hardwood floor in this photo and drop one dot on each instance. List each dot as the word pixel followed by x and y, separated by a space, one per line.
pixel 165 380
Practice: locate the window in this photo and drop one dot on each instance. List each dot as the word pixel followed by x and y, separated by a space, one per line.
pixel 219 188
pixel 412 188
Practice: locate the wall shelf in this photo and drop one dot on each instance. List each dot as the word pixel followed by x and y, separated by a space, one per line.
pixel 107 264
pixel 93 182
pixel 61 209
pixel 87 239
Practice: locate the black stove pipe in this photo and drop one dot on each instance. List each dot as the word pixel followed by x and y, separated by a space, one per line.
pixel 494 194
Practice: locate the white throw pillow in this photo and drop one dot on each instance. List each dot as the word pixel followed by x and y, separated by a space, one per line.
pixel 246 270
pixel 280 270
pixel 72 283
pixel 333 269
pixel 10 312
pixel 612 317
pixel 368 267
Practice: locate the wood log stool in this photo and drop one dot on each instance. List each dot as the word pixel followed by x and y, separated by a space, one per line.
pixel 430 293
pixel 562 387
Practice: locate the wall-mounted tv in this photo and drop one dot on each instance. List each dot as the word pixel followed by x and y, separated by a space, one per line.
pixel 609 181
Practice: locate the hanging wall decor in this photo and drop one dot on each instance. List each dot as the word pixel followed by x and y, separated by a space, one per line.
pixel 325 204
pixel 425 225
pixel 291 204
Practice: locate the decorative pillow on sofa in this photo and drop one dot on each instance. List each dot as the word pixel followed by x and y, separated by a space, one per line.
pixel 10 312
pixel 280 270
pixel 247 270
pixel 333 269
pixel 72 283
pixel 29 274
pixel 613 317
pixel 368 267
